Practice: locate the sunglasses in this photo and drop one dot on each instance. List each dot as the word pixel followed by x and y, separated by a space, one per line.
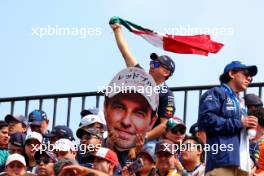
pixel 176 130
pixel 155 64
pixel 44 160
pixel 89 136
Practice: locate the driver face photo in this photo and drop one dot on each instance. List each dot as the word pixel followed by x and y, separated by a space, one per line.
pixel 129 112
pixel 126 116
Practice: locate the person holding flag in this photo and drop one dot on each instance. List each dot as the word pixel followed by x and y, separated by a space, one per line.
pixel 161 68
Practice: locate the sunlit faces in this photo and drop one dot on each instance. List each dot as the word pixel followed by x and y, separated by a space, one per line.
pixel 165 160
pixel 15 168
pixel 4 136
pixel 128 115
pixel 241 79
pixel 192 151
pixel 16 126
pixel 176 134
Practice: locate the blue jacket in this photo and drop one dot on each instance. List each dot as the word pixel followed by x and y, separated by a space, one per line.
pixel 220 118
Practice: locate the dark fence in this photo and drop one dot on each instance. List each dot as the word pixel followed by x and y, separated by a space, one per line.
pixel 98 96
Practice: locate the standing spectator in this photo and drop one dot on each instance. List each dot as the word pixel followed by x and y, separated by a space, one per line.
pixel 165 162
pixel 195 131
pixel 17 143
pixel 91 140
pixel 192 157
pixel 45 163
pixel 161 68
pixel 106 161
pixel 253 101
pixel 15 165
pixel 38 121
pixel 224 119
pixel 175 130
pixel 59 132
pixel 3 144
pixel 130 111
pixel 32 144
pixel 16 123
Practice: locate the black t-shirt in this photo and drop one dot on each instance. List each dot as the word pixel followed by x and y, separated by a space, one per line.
pixel 166 107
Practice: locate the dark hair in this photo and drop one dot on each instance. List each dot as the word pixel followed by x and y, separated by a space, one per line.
pixel 225 78
pixel 197 141
pixel 3 124
pixel 259 113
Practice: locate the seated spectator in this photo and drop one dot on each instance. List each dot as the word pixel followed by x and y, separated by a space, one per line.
pixel 253 101
pixel 45 163
pixel 147 154
pixel 32 144
pixel 165 162
pixel 38 121
pixel 91 140
pixel 64 148
pixel 195 131
pixel 106 161
pixel 192 157
pixel 17 143
pixel 3 144
pixel 59 132
pixel 16 123
pixel 15 165
pixel 93 121
pixel 175 130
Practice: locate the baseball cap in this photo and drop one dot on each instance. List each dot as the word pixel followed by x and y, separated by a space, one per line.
pixel 175 122
pixel 3 124
pixel 17 139
pixel 164 60
pixel 89 111
pixel 36 117
pixel 50 155
pixel 252 69
pixel 194 128
pixel 164 145
pixel 34 135
pixel 93 131
pixel 19 118
pixel 149 149
pixel 252 99
pixel 65 145
pixel 108 155
pixel 134 79
pixel 91 119
pixel 60 131
pixel 15 157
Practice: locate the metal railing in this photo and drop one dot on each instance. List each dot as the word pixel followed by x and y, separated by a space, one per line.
pixel 55 97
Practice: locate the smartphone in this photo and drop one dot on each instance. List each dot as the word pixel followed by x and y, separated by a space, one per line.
pixel 135 166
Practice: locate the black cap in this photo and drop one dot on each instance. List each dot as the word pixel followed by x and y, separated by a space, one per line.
pixel 164 60
pixel 89 111
pixel 194 128
pixel 19 118
pixel 18 139
pixel 3 124
pixel 60 131
pixel 253 100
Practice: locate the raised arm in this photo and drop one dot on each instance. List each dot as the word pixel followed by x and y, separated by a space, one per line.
pixel 123 46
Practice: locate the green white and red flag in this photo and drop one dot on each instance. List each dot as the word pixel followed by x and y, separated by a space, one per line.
pixel 197 44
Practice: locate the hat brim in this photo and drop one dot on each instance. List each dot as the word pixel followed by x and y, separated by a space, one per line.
pixel 36 123
pixel 9 118
pixel 253 70
pixel 80 132
pixel 49 135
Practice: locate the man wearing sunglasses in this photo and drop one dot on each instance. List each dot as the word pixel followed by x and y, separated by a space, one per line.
pixel 161 68
pixel 45 162
pixel 223 117
pixel 175 130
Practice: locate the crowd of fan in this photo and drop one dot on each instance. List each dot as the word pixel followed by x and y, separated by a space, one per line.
pixel 28 148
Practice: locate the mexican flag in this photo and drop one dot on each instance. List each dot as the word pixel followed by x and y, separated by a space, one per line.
pixel 197 44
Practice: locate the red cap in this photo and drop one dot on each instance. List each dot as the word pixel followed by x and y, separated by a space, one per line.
pixel 108 155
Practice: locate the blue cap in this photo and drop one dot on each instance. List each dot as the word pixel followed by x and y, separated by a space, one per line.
pixel 18 139
pixel 252 69
pixel 60 131
pixel 164 60
pixel 36 117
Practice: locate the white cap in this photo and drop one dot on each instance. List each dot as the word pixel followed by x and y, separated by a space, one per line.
pixel 134 79
pixel 34 135
pixel 91 119
pixel 15 157
pixel 65 145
